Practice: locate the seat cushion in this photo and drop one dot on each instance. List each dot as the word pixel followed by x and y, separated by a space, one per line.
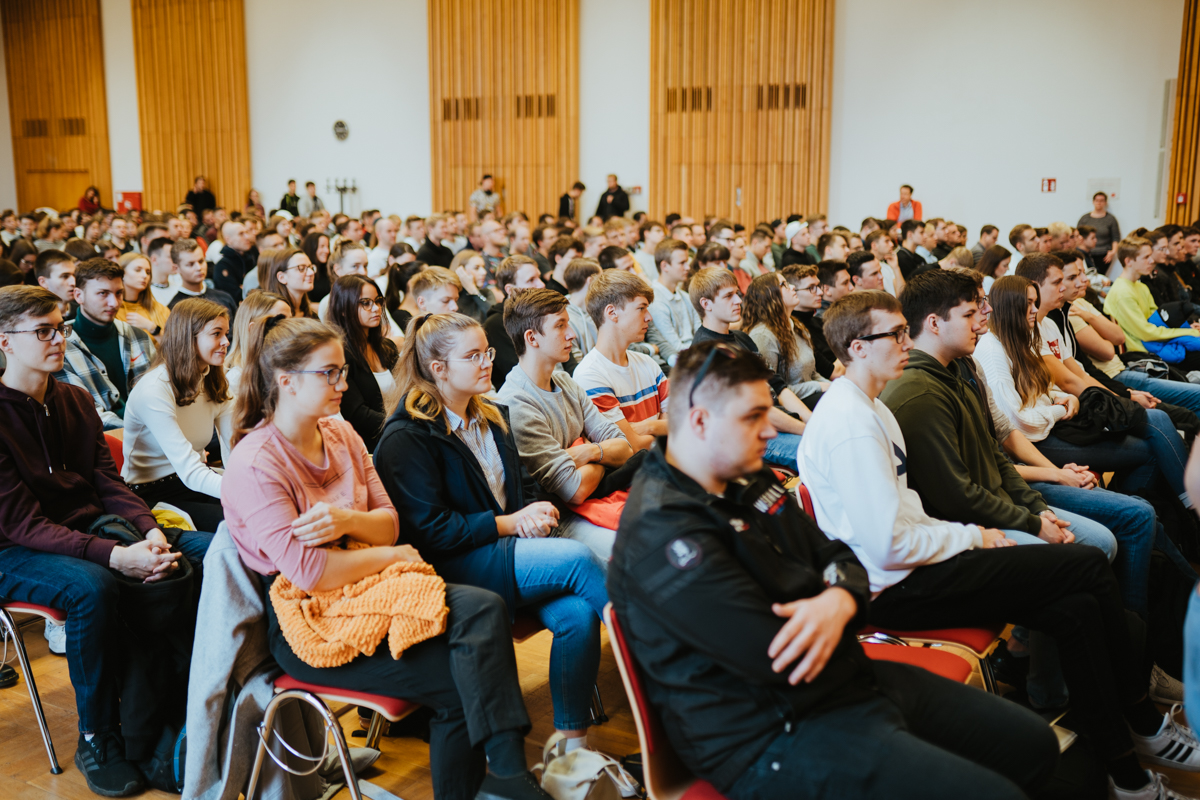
pixel 702 790
pixel 392 708
pixel 977 640
pixel 526 625
pixel 946 665
pixel 46 612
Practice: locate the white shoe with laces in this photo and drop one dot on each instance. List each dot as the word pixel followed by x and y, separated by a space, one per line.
pixel 1155 790
pixel 56 635
pixel 1175 744
pixel 1163 688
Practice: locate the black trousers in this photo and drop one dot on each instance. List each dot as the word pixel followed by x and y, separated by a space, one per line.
pixel 467 676
pixel 1064 591
pixel 923 737
pixel 205 510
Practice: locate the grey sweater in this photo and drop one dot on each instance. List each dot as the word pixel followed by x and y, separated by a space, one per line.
pixel 801 375
pixel 545 424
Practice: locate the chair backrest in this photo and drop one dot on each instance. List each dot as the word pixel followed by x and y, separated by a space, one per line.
pixel 115 446
pixel 806 501
pixel 665 775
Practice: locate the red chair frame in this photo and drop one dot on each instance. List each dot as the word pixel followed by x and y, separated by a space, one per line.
pixel 13 632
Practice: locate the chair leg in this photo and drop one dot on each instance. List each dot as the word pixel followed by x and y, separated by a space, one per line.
pixel 10 627
pixel 989 678
pixel 375 730
pixel 331 727
pixel 599 717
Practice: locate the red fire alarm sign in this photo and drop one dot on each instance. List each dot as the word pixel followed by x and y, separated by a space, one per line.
pixel 1181 199
pixel 1049 184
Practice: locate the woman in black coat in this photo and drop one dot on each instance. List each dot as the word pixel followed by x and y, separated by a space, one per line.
pixel 356 309
pixel 449 462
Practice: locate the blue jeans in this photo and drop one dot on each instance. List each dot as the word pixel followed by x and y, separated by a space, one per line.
pixel 562 581
pixel 1135 458
pixel 599 540
pixel 89 593
pixel 1132 522
pixel 782 450
pixel 1191 657
pixel 1177 393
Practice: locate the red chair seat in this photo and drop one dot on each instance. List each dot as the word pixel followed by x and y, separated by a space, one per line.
pixel 526 625
pixel 45 612
pixel 116 448
pixel 392 708
pixel 702 790
pixel 977 640
pixel 944 664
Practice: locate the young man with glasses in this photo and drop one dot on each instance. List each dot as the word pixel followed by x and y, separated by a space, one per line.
pixel 60 477
pixel 926 572
pixel 104 355
pixel 743 616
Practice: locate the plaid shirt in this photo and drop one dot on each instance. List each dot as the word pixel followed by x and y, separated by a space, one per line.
pixel 82 369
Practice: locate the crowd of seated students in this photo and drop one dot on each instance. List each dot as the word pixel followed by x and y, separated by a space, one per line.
pixel 510 383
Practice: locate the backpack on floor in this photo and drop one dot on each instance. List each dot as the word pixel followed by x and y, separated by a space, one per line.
pixel 582 774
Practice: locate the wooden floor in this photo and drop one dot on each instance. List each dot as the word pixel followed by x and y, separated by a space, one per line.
pixel 403 768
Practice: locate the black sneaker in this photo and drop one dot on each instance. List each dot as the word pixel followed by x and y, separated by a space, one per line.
pixel 8 677
pixel 522 787
pixel 102 762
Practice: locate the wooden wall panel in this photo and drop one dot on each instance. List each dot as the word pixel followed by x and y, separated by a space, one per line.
pixel 192 104
pixel 1184 176
pixel 54 57
pixel 504 99
pixel 740 94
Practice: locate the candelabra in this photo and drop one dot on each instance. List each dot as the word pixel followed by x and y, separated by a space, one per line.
pixel 342 186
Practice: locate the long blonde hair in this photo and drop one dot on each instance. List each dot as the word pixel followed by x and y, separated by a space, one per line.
pixel 429 338
pixel 145 298
pixel 252 311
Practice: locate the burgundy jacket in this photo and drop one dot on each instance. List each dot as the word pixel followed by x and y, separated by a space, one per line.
pixel 57 475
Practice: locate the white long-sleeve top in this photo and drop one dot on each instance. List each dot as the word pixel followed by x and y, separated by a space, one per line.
pixel 163 438
pixel 1035 421
pixel 853 461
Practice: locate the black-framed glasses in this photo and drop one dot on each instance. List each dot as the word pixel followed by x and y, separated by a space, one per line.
pixel 47 334
pixel 305 269
pixel 333 375
pixel 366 302
pixel 726 350
pixel 900 334
pixel 814 289
pixel 480 360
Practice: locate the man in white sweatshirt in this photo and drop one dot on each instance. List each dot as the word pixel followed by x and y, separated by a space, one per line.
pixel 927 573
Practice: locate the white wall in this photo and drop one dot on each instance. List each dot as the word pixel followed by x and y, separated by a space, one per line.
pixel 120 86
pixel 8 172
pixel 310 63
pixel 975 103
pixel 614 99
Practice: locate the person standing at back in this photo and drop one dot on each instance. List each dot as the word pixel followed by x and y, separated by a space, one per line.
pixel 1108 230
pixel 568 203
pixel 905 208
pixel 484 200
pixel 614 202
pixel 200 197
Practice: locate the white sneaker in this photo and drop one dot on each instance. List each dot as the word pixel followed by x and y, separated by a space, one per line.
pixel 56 635
pixel 1163 688
pixel 1155 790
pixel 1175 745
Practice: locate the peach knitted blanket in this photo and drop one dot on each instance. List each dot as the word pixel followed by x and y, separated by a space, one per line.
pixel 406 602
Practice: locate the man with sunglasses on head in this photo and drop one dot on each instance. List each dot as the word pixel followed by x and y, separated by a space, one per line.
pixel 743 617
pixel 59 477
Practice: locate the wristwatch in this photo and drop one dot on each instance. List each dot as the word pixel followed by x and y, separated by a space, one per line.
pixel 834 575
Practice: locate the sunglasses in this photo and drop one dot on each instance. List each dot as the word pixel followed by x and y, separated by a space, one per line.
pixel 702 373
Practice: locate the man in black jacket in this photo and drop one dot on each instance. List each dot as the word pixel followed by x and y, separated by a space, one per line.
pixel 432 251
pixel 912 233
pixel 743 615
pixel 614 202
pixel 231 268
pixel 567 203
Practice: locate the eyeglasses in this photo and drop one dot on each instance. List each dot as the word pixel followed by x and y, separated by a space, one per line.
pixel 47 334
pixel 366 303
pixel 900 334
pixel 307 269
pixel 702 373
pixel 333 375
pixel 814 289
pixel 480 360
